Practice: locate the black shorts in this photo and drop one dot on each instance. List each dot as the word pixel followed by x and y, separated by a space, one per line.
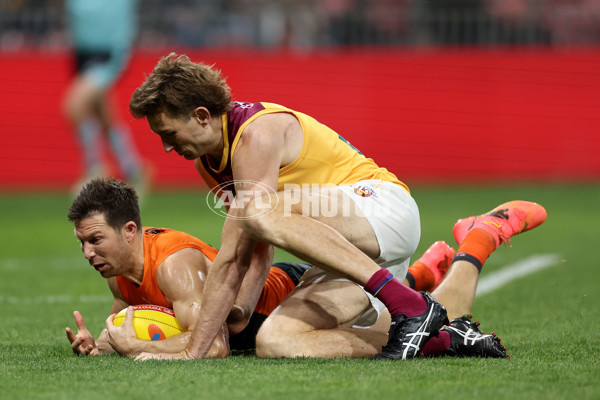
pixel 293 270
pixel 85 60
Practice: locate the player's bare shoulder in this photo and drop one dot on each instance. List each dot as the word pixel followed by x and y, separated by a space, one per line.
pixel 185 265
pixel 282 128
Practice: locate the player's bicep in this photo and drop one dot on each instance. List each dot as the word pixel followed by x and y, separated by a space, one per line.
pixel 182 282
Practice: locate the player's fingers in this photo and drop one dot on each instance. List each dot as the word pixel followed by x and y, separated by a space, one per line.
pixel 109 322
pixel 70 335
pixel 88 350
pixel 79 320
pixel 95 352
pixel 76 344
pixel 144 357
pixel 129 316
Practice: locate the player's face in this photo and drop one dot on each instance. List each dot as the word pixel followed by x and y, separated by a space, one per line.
pixel 105 249
pixel 187 137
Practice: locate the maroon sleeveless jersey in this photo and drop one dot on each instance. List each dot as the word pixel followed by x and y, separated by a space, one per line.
pixel 239 113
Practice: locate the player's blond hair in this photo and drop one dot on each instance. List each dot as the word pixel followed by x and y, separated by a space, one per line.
pixel 177 86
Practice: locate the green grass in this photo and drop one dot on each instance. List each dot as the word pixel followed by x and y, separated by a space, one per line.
pixel 549 320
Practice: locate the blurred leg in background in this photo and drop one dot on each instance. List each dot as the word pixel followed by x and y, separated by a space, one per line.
pixel 103 34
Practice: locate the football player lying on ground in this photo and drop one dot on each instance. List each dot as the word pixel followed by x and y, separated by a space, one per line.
pixel 166 267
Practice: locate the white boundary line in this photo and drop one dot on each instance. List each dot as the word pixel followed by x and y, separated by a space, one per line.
pixel 487 284
pixel 58 299
pixel 512 272
pixel 62 263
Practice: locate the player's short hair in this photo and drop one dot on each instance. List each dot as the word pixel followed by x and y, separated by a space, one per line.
pixel 115 199
pixel 177 86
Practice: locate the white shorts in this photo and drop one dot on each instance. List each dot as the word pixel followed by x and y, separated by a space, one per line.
pixel 394 217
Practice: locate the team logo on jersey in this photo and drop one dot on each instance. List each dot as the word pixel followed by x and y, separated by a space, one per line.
pixel 245 104
pixel 237 195
pixel 364 191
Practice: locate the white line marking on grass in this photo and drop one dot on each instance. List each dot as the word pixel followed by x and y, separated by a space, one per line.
pixel 58 299
pixel 528 266
pixel 487 284
pixel 63 263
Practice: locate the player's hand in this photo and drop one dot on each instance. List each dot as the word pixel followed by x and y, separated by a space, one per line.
pixel 183 355
pixel 122 338
pixel 83 343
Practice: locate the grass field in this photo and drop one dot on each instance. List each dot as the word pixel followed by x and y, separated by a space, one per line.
pixel 549 320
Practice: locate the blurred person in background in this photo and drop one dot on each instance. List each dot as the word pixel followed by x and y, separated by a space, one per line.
pixel 103 33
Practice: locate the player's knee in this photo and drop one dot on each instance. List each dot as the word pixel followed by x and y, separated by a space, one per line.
pixel 271 342
pixel 255 227
pixel 257 217
pixel 265 342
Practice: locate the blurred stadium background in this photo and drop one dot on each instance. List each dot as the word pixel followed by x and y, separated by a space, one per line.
pixel 438 91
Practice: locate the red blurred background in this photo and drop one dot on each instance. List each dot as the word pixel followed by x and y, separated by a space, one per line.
pixel 430 116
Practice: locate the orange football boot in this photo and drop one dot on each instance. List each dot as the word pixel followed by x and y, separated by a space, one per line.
pixel 438 258
pixel 503 222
